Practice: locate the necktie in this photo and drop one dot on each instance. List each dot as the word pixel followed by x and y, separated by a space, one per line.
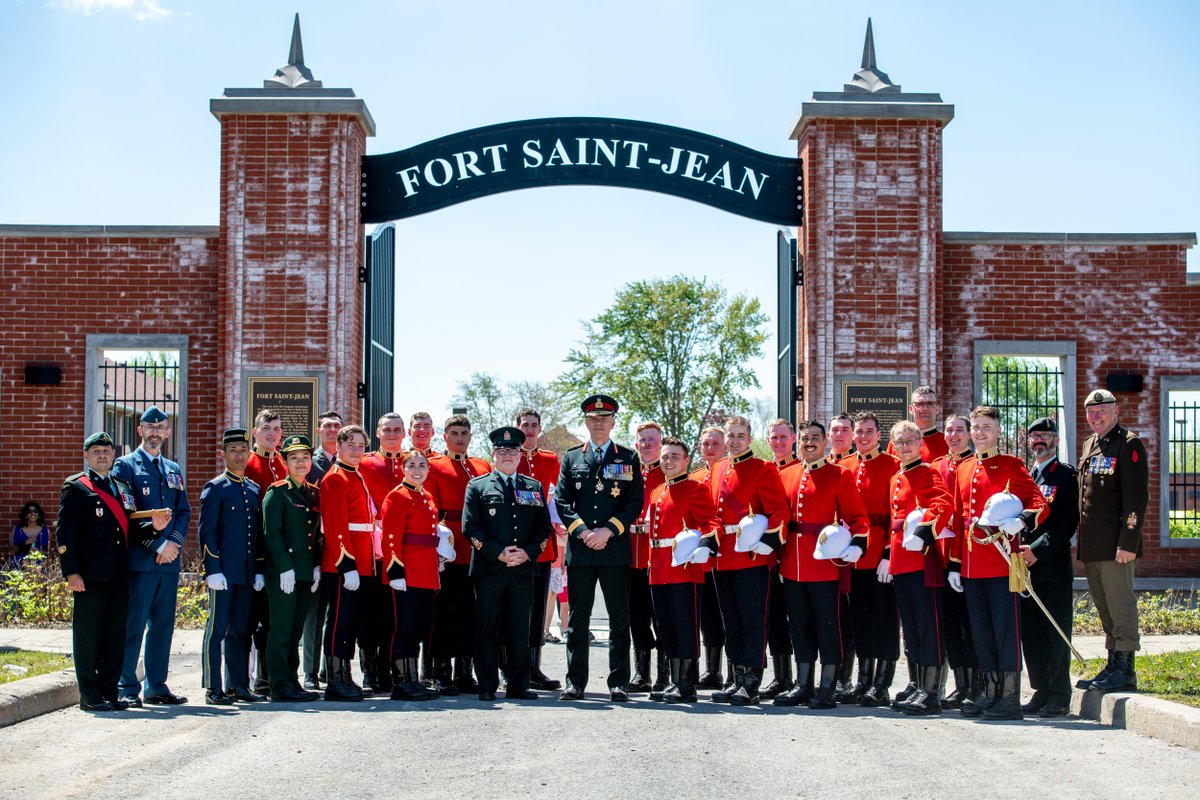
pixel 508 489
pixel 158 468
pixel 598 456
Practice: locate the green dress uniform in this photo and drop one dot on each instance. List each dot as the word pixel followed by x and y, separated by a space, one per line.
pixel 291 522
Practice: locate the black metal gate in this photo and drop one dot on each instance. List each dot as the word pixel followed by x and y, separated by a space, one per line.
pixel 379 275
pixel 1022 390
pixel 130 387
pixel 790 391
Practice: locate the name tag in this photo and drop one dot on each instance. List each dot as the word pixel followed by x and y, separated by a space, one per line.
pixel 1049 492
pixel 617 472
pixel 1101 465
pixel 526 497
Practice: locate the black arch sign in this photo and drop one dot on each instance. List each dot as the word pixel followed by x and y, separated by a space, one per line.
pixel 582 151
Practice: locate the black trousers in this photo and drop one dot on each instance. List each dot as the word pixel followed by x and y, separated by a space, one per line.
pixel 409 621
pixel 537 612
pixel 341 618
pixel 845 625
pixel 711 627
pixel 314 629
pixel 814 611
pixel 454 613
pixel 921 616
pixel 778 636
pixel 98 638
pixel 744 598
pixel 259 623
pixel 503 603
pixel 614 582
pixel 956 633
pixel 641 610
pixel 1046 654
pixel 995 623
pixel 228 629
pixel 677 609
pixel 875 619
pixel 374 612
pixel 288 612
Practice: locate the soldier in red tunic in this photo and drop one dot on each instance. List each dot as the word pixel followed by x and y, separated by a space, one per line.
pixel 347 557
pixel 993 608
pixel 924 408
pixel 712 630
pixel 819 495
pixel 781 438
pixel 454 606
pixel 745 486
pixel 918 573
pixel 677 505
pixel 956 630
pixel 541 465
pixel 841 447
pixel 641 608
pixel 872 596
pixel 420 434
pixel 382 471
pixel 410 564
pixel 265 466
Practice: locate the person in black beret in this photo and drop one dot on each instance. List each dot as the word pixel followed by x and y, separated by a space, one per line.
pixel 1047 551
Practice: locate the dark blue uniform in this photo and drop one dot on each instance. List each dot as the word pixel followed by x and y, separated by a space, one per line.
pixel 152 586
pixel 231 544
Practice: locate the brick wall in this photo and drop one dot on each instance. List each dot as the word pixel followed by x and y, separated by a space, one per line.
pixel 1127 307
pixel 58 290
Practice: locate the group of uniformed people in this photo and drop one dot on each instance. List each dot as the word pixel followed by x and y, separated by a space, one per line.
pixel 316 553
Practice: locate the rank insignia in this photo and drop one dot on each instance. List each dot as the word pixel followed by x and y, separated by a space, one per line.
pixel 62 548
pixel 1131 520
pixel 615 491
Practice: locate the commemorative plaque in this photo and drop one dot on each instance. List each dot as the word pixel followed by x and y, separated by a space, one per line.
pixel 295 399
pixel 887 399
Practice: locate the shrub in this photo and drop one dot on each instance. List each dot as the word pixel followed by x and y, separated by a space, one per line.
pixel 1159 613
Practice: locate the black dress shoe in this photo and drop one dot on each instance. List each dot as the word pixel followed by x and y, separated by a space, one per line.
pixel 290 694
pixel 103 705
pixel 132 701
pixel 571 693
pixel 526 694
pixel 119 705
pixel 486 696
pixel 244 696
pixel 217 699
pixel 167 699
pixel 618 695
pixel 311 683
pixel 1052 710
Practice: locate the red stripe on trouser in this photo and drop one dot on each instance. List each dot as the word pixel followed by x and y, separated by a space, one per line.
pixel 1017 625
pixel 395 625
pixel 696 611
pixel 841 641
pixel 937 627
pixel 766 617
pixel 337 610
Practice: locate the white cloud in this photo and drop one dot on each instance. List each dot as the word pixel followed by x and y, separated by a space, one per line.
pixel 141 10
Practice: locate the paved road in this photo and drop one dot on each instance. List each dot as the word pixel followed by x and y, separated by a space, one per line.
pixel 463 749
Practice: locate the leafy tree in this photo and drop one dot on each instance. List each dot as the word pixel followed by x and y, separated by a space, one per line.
pixel 492 403
pixel 1022 389
pixel 670 349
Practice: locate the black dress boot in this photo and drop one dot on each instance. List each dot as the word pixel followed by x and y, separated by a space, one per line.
pixel 866 674
pixel 1008 704
pixel 711 677
pixel 1121 678
pixel 747 693
pixel 926 699
pixel 1085 683
pixel 261 684
pixel 681 690
pixel 881 685
pixel 962 688
pixel 502 664
pixel 340 686
pixel 464 678
pixel 443 677
pixel 732 686
pixel 426 663
pixel 662 674
pixel 802 690
pixel 845 686
pixel 669 694
pixel 383 669
pixel 537 678
pixel 367 663
pixel 640 682
pixel 989 693
pixel 782 679
pixel 902 696
pixel 826 695
pixel 409 686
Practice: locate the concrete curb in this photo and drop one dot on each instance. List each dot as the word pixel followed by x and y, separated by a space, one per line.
pixel 1173 723
pixel 32 697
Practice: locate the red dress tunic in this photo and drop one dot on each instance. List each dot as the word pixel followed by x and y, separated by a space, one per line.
pixel 820 494
pixel 917 485
pixel 977 480
pixel 543 467
pixel 947 467
pixel 747 485
pixel 347 521
pixel 410 536
pixel 675 506
pixel 873 477
pixel 447 485
pixel 639 539
pixel 265 470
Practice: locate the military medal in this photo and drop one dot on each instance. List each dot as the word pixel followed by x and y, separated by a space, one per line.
pixel 599 485
pixel 615 491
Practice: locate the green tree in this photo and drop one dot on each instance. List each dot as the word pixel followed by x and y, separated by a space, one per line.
pixel 492 403
pixel 1022 389
pixel 670 349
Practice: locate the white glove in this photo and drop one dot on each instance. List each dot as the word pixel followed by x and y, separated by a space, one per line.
pixel 881 572
pixel 399 585
pixel 1013 526
pixel 762 549
pixel 316 579
pixel 955 581
pixel 287 581
pixel 441 566
pixel 217 582
pixel 853 553
pixel 259 583
pixel 350 580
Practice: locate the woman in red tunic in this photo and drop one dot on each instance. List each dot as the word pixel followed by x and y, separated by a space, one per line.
pixel 411 564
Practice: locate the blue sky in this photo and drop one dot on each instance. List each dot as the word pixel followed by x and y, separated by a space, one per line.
pixel 1070 117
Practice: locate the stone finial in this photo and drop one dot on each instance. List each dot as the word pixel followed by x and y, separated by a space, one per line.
pixel 870 78
pixel 294 75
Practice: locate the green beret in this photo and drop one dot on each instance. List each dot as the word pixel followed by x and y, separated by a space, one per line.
pixel 97 438
pixel 1099 397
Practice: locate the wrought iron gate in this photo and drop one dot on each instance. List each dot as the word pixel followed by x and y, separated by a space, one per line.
pixel 790 392
pixel 379 275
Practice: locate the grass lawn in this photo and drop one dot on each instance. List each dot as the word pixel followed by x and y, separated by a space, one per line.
pixel 1171 676
pixel 32 661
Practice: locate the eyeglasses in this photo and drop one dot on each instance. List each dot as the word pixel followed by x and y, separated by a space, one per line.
pixel 155 428
pixel 924 403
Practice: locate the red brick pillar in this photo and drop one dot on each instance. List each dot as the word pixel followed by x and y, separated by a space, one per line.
pixel 872 237
pixel 291 238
